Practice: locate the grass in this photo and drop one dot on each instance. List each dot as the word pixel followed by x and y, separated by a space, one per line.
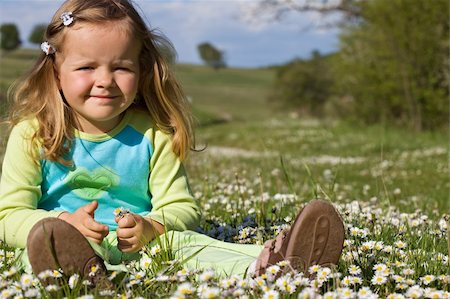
pixel 260 166
pixel 409 170
pixel 13 65
pixel 231 94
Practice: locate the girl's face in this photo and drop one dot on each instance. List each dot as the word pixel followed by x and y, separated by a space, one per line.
pixel 98 73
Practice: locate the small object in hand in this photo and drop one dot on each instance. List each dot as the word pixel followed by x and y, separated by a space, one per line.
pixel 121 212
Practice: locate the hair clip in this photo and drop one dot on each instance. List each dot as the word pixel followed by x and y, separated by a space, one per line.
pixel 67 18
pixel 47 48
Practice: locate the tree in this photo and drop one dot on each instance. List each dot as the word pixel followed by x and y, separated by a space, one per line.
pixel 276 10
pixel 37 35
pixel 393 60
pixel 395 63
pixel 211 56
pixel 304 85
pixel 10 38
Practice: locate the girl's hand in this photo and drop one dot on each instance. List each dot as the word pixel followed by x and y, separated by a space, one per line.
pixel 134 231
pixel 83 220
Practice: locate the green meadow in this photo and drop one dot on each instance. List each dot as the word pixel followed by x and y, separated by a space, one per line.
pixel 259 162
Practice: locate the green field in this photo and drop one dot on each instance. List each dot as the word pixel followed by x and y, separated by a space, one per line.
pixel 265 162
pixel 243 132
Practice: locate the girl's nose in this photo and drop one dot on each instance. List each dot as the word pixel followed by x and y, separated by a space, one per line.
pixel 104 79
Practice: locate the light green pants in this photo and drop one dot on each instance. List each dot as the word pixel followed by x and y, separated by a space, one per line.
pixel 226 258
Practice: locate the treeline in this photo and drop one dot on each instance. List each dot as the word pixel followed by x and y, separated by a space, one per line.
pixel 10 36
pixel 392 67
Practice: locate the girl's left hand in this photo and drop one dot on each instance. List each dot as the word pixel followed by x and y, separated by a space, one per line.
pixel 134 231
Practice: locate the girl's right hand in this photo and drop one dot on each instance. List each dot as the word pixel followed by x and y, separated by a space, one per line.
pixel 83 220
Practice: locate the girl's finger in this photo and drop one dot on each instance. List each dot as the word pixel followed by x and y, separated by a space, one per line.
pixel 125 233
pixel 127 245
pixel 93 234
pixel 90 208
pixel 127 221
pixel 93 225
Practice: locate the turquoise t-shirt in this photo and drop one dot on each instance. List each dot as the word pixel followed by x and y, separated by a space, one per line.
pixel 102 171
pixel 132 166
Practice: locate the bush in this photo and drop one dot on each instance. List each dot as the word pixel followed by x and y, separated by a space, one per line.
pixel 10 38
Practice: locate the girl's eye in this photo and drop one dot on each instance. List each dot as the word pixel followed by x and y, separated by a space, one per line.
pixel 84 68
pixel 121 68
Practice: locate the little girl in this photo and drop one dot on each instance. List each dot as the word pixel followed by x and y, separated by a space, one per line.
pixel 100 123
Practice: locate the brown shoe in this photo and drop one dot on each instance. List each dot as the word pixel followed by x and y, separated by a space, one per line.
pixel 316 238
pixel 54 244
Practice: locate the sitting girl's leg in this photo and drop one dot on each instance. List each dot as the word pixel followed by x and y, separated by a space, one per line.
pixel 54 244
pixel 107 252
pixel 316 237
pixel 208 253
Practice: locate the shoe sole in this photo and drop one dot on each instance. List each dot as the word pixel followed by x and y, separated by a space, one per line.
pixel 316 237
pixel 54 244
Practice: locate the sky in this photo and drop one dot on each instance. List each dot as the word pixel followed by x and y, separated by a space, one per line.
pixel 247 40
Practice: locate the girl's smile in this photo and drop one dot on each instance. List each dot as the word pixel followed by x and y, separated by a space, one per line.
pixel 103 99
pixel 98 73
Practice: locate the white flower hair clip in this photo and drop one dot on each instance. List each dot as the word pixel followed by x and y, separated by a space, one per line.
pixel 121 212
pixel 67 18
pixel 47 48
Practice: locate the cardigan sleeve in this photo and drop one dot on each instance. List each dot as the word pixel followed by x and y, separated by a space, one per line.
pixel 172 202
pixel 20 187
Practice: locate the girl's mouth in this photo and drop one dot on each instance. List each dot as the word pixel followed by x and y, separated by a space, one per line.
pixel 103 96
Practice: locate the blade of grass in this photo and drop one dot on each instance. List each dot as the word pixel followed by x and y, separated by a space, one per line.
pixel 313 182
pixel 288 178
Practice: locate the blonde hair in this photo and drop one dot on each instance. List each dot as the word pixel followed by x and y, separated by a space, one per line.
pixel 37 94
